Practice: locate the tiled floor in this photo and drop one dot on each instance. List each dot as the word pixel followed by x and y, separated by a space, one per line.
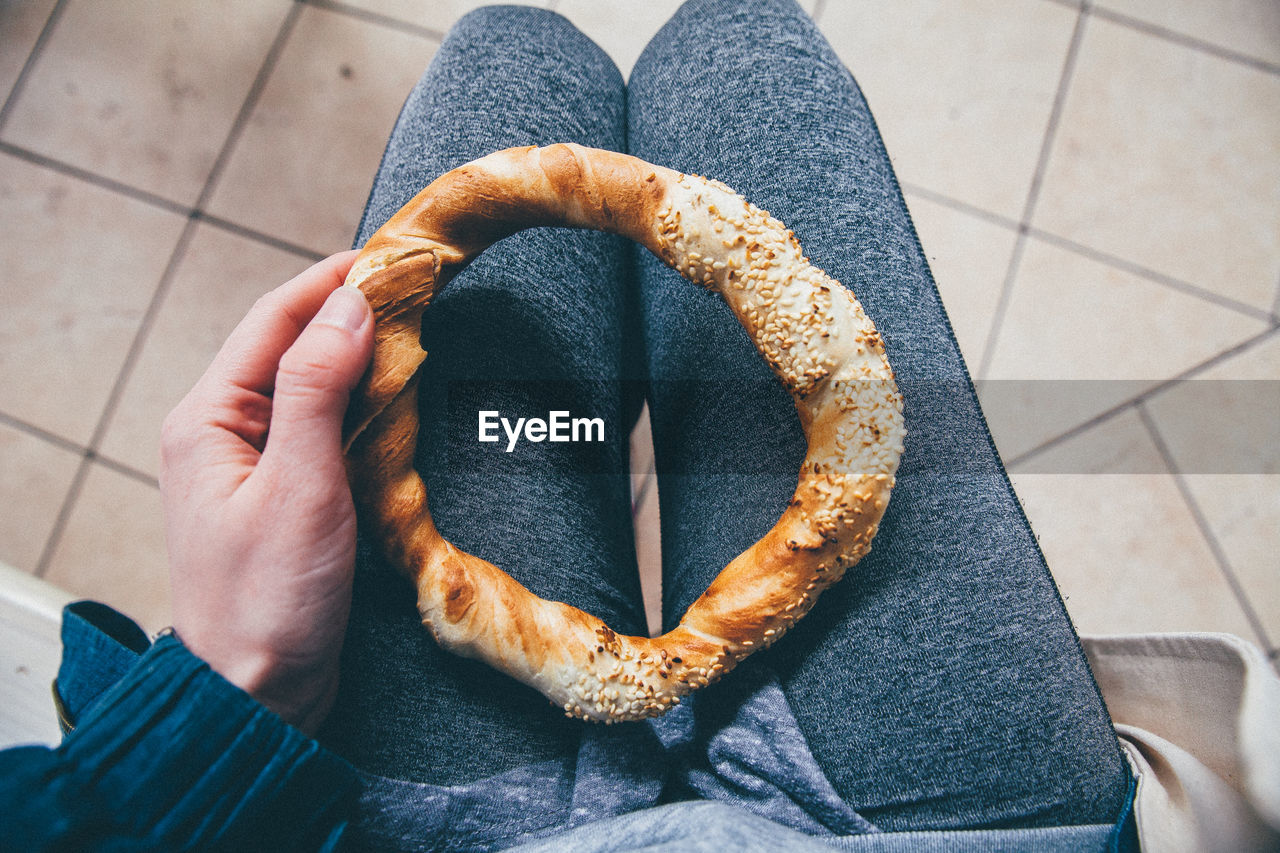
pixel 1097 187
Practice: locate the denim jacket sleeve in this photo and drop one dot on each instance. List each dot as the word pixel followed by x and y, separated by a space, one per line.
pixel 162 753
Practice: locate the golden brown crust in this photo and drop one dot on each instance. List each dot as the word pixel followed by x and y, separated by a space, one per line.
pixel 809 329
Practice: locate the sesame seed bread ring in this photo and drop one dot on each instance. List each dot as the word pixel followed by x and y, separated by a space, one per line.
pixel 808 327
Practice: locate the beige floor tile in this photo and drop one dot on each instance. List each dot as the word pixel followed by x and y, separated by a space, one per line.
pixel 969 258
pixel 644 508
pixel 1112 446
pixel 1242 509
pixel 145 91
pixel 20 26
pixel 622 28
pixel 35 479
pixel 1258 361
pixel 1166 156
pixel 1251 27
pixel 438 15
pixel 303 168
pixel 81 264
pixel 220 277
pixel 648 537
pixel 962 91
pixel 1125 549
pixel 113 550
pixel 1074 319
pixel 1225 420
pixel 641 454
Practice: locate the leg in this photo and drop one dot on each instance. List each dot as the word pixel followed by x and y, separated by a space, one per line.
pixel 940 684
pixel 534 324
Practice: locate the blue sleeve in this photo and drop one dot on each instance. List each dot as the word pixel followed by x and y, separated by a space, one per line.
pixel 169 756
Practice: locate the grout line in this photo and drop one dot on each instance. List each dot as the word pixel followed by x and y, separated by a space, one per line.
pixel 169 205
pixel 193 218
pixel 1048 444
pixel 117 391
pixel 64 514
pixel 1151 275
pixel 650 476
pixel 140 336
pixel 250 101
pixel 1002 306
pixel 196 212
pixel 88 177
pixel 1141 398
pixel 157 201
pixel 20 82
pixel 1100 256
pixel 1186 40
pixel 258 236
pixel 1033 192
pixel 819 7
pixel 1275 305
pixel 375 18
pixel 127 470
pixel 960 206
pixel 1055 115
pixel 72 498
pixel 157 298
pixel 38 432
pixel 1206 530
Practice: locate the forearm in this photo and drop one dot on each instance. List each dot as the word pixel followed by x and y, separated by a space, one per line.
pixel 174 756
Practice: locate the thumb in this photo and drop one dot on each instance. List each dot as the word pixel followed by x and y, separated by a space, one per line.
pixel 315 377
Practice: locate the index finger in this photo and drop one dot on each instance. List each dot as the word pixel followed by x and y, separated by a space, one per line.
pixel 251 354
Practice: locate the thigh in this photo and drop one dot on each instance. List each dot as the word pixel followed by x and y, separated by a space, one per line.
pixel 536 323
pixel 941 683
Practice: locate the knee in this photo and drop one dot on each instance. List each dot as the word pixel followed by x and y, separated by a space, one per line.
pixel 535 30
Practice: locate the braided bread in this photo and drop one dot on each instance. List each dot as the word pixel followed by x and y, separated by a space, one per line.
pixel 809 329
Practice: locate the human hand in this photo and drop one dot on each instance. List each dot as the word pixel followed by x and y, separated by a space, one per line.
pixel 259 518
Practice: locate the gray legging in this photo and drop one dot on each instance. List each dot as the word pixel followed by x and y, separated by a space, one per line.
pixel 939 685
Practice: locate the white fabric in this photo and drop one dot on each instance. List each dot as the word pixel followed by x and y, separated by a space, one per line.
pixel 1199 717
pixel 30 649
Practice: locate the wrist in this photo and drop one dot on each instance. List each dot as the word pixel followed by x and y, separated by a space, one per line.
pixel 298 692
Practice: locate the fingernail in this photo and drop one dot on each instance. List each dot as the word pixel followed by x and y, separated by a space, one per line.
pixel 345 309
